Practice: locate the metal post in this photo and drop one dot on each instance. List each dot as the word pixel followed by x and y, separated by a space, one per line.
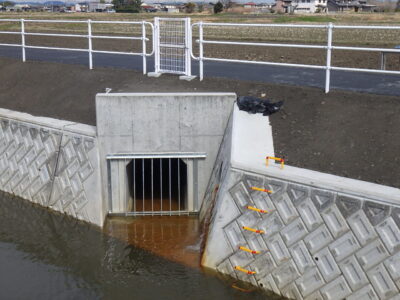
pixel 23 40
pixel 188 34
pixel 156 45
pixel 201 50
pixel 328 59
pixel 144 47
pixel 90 44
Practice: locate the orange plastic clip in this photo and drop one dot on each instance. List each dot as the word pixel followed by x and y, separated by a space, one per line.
pixel 257 209
pixel 261 190
pixel 244 270
pixel 252 229
pixel 281 160
pixel 249 250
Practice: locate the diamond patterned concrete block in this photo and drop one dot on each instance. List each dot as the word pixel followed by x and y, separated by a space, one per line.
pixel 366 293
pixel 371 254
pixel 376 212
pixel 326 264
pixel 248 218
pixel 396 215
pixel 318 239
pixel 262 265
pixel 301 257
pixel 286 208
pixel 291 292
pixel 353 273
pixel 390 234
pixel 382 283
pixel 392 264
pixel 262 201
pixel 337 289
pixel 293 232
pixel 234 235
pixel 335 221
pixel 285 274
pixel 270 225
pixel 322 199
pixel 277 187
pixel 278 249
pixel 269 284
pixel 298 193
pixel 225 267
pixel 314 296
pixel 361 227
pixel 310 215
pixel 348 205
pixel 344 246
pixel 241 258
pixel 255 242
pixel 253 181
pixel 310 282
pixel 241 196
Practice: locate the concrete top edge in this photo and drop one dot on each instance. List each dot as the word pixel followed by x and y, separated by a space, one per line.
pixel 321 180
pixel 51 123
pixel 163 94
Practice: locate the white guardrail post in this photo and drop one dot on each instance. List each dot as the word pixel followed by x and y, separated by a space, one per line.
pixel 89 22
pixel 144 47
pixel 23 40
pixel 328 58
pixel 201 51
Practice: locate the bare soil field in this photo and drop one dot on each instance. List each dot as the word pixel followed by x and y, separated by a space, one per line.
pixel 344 133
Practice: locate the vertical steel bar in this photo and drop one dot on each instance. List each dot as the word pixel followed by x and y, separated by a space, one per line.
pixel 134 185
pixel 169 182
pixel 143 182
pixel 188 38
pixel 144 47
pixel 179 187
pixel 90 44
pixel 157 45
pixel 328 59
pixel 152 187
pixel 161 183
pixel 23 40
pixel 201 51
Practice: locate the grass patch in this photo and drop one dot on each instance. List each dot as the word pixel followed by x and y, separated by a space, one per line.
pixel 316 19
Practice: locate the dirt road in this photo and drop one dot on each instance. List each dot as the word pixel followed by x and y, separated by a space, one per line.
pixel 343 133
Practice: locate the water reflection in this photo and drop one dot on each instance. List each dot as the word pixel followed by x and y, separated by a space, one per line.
pixel 49 256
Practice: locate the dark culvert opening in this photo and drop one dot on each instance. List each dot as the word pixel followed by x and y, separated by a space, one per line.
pixel 158 184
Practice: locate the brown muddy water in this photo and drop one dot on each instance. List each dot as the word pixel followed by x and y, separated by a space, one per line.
pixel 44 255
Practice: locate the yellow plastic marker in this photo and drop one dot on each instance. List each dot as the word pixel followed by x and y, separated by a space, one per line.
pixel 281 160
pixel 257 209
pixel 249 250
pixel 252 229
pixel 261 190
pixel 244 270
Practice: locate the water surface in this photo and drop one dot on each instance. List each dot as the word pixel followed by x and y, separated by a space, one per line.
pixel 44 255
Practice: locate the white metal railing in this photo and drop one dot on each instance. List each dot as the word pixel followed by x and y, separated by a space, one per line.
pixel 328 47
pixel 89 36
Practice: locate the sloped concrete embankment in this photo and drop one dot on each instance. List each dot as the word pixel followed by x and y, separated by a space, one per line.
pixel 324 236
pixel 51 162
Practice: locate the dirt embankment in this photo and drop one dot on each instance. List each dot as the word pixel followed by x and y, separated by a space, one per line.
pixel 344 133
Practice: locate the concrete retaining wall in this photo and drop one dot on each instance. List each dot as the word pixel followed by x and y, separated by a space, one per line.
pixel 326 237
pixel 137 123
pixel 51 162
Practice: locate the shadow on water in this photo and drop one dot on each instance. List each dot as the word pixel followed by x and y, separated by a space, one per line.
pixel 44 255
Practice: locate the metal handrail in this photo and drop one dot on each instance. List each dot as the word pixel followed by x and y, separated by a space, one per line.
pixel 89 36
pixel 328 47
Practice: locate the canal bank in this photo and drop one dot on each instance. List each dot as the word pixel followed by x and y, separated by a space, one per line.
pixel 284 229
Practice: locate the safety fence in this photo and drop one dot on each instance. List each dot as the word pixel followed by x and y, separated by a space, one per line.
pixel 173 50
pixel 329 47
pixel 89 36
